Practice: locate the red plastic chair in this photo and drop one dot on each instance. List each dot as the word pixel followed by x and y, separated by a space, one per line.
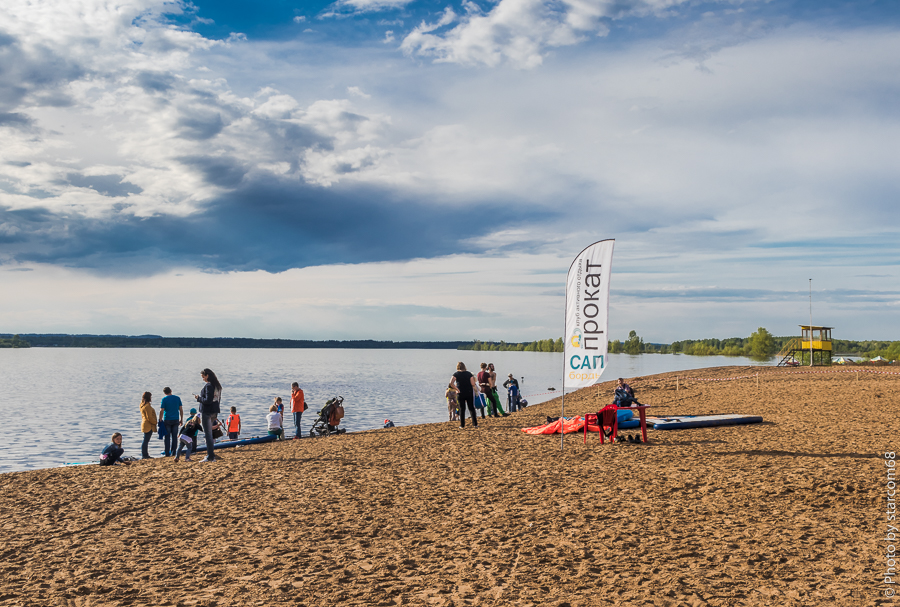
pixel 607 417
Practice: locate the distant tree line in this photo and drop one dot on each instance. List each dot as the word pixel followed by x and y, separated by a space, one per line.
pixel 13 341
pixel 868 349
pixel 156 341
pixel 760 345
pixel 543 345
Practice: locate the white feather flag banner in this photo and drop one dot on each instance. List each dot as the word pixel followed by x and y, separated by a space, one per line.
pixel 587 315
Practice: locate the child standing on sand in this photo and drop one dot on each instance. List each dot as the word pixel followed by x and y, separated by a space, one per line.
pixel 233 424
pixel 452 403
pixel 188 438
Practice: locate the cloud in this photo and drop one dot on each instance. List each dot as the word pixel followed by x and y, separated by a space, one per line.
pixel 343 8
pixel 106 185
pixel 132 145
pixel 355 90
pixel 519 32
pixel 262 224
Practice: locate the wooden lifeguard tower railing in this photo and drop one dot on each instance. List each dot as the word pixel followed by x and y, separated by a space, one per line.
pixel 812 348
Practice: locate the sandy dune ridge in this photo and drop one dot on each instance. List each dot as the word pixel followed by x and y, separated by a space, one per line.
pixel 788 512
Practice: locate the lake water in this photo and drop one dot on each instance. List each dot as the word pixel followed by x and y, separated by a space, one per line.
pixel 61 405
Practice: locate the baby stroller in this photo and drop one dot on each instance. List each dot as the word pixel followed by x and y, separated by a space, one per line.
pixel 329 418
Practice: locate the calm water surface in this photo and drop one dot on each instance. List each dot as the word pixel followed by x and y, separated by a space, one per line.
pixel 61 405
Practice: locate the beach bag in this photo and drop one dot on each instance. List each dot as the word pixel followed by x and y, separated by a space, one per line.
pixel 337 414
pixel 479 401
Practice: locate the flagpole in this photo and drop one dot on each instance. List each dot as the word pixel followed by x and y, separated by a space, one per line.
pixel 562 413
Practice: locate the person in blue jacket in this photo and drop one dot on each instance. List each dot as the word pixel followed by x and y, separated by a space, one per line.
pixel 171 413
pixel 113 452
pixel 209 398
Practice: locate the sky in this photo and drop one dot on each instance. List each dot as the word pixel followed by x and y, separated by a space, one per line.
pixel 427 169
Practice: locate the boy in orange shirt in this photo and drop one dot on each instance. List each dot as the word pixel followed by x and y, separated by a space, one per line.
pixel 298 405
pixel 233 424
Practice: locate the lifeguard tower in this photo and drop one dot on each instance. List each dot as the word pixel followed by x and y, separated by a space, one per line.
pixel 812 348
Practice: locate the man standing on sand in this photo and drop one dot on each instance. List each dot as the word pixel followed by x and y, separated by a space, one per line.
pixel 298 406
pixel 171 412
pixel 492 394
pixel 512 390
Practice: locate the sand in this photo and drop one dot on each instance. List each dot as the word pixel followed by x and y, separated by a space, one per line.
pixel 788 512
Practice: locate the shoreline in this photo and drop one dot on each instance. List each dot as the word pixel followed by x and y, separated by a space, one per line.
pixel 787 512
pixel 878 369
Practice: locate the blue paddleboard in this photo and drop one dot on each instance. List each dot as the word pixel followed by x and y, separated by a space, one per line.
pixel 680 422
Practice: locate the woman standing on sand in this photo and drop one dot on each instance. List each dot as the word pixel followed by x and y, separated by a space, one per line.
pixel 148 423
pixel 464 381
pixel 209 399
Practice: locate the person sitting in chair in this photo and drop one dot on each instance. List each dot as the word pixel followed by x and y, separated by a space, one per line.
pixel 624 395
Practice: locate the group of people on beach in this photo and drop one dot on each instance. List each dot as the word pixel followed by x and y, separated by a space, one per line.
pixel 275 418
pixel 180 435
pixel 480 392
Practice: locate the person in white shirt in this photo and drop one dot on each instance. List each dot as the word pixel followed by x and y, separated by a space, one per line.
pixel 275 422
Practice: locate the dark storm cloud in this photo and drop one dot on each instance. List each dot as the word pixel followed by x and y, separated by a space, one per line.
pixel 221 171
pixel 200 126
pixel 269 225
pixel 15 119
pixel 35 75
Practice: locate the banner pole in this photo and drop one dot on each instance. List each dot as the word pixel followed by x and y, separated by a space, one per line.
pixel 562 413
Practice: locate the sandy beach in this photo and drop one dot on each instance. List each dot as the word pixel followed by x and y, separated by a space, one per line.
pixel 788 512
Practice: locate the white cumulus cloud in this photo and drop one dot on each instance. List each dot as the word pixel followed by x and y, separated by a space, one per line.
pixel 519 32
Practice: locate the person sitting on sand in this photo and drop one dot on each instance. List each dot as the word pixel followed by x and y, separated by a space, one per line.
pixel 188 438
pixel 113 452
pixel 274 420
pixel 624 395
pixel 452 402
